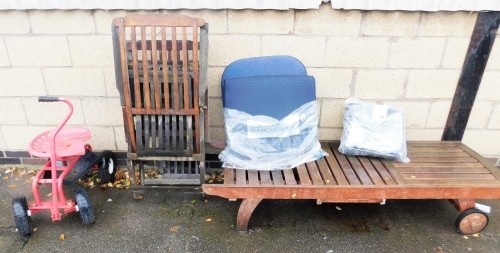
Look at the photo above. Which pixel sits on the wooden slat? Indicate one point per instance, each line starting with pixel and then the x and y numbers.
pixel 153 132
pixel 182 143
pixel 393 171
pixel 161 136
pixel 154 60
pixel 410 176
pixel 360 171
pixel 370 170
pixel 241 178
pixel 185 67
pixel 175 72
pixel 145 75
pixel 452 182
pixel 382 170
pixel 265 177
pixel 289 177
pixel 135 66
pixel 326 174
pixel 175 126
pixel 443 170
pixel 443 160
pixel 346 168
pixel 159 19
pixel 314 173
pixel 168 131
pixel 277 177
pixel 189 134
pixel 433 143
pixel 438 165
pixel 138 129
pixel 253 177
pixel 334 166
pixel 147 134
pixel 166 92
pixel 303 175
pixel 445 149
pixel 437 155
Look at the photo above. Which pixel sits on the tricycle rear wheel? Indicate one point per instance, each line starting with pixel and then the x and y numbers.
pixel 107 167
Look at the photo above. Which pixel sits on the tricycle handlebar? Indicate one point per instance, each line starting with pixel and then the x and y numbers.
pixel 48 99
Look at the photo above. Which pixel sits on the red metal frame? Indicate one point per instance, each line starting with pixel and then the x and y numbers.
pixel 71 156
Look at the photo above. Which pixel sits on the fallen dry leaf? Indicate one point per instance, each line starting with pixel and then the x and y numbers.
pixel 6 177
pixel 62 237
pixel 208 219
pixel 12 185
pixel 174 229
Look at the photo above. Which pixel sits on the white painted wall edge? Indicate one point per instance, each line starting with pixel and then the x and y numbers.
pixel 418 5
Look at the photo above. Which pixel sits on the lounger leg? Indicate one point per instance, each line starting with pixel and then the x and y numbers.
pixel 245 212
pixel 463 204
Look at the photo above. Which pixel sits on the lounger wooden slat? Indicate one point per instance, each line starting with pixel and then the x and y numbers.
pixel 326 173
pixel 360 171
pixel 303 175
pixel 277 177
pixel 346 168
pixel 265 178
pixel 370 170
pixel 447 170
pixel 289 177
pixel 253 177
pixel 314 173
pixel 382 170
pixel 333 165
pixel 471 176
pixel 229 176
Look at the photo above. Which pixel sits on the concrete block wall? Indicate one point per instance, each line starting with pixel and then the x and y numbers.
pixel 411 60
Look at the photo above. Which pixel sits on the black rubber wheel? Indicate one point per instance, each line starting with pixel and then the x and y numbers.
pixel 21 217
pixel 84 207
pixel 107 167
pixel 471 221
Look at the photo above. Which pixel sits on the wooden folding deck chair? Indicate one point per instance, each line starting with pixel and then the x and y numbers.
pixel 438 170
pixel 161 65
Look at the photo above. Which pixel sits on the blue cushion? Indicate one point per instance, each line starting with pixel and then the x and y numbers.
pixel 274 96
pixel 263 66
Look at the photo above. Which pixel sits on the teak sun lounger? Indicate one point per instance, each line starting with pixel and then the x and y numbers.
pixel 438 170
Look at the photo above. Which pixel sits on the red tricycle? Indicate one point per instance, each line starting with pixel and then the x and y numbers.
pixel 70 158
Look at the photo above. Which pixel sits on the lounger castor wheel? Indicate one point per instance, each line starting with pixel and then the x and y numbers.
pixel 471 221
pixel 107 167
pixel 84 207
pixel 21 217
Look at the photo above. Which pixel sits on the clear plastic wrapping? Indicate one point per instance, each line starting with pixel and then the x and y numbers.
pixel 265 143
pixel 373 130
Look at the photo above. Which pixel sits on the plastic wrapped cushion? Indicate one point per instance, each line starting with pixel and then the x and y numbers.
pixel 373 130
pixel 265 143
pixel 269 100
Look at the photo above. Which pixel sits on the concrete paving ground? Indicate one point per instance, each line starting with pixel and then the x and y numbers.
pixel 182 220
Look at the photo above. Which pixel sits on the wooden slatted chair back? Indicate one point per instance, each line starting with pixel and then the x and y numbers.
pixel 159 65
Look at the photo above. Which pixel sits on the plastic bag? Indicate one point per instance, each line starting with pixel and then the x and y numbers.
pixel 265 143
pixel 373 130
